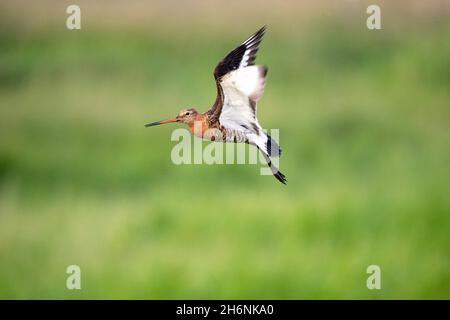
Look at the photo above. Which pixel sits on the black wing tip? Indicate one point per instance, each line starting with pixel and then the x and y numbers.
pixel 262 29
pixel 233 60
pixel 255 39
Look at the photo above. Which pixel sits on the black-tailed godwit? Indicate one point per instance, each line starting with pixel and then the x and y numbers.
pixel 240 84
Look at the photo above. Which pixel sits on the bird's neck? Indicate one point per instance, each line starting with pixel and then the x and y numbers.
pixel 199 126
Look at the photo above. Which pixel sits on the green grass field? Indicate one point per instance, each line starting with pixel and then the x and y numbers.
pixel 364 126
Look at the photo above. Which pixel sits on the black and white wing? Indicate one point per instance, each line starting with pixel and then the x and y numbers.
pixel 240 84
pixel 238 80
pixel 244 55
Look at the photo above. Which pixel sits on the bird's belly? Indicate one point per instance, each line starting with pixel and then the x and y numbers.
pixel 225 135
pixel 219 134
pixel 213 134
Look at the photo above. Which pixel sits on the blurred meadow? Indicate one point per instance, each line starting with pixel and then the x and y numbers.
pixel 364 120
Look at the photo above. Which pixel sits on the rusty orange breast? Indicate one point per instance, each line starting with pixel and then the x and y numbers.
pixel 199 126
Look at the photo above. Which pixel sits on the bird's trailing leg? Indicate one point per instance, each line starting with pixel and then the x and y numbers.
pixel 276 173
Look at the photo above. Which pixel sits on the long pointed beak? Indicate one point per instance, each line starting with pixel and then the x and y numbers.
pixel 161 122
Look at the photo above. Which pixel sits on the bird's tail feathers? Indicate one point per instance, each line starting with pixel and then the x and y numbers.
pixel 272 147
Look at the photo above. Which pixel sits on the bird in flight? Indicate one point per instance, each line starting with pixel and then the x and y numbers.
pixel 232 118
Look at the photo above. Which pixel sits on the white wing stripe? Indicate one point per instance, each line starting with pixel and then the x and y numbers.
pixel 244 61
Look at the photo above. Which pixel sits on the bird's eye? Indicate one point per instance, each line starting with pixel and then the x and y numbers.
pixel 188 113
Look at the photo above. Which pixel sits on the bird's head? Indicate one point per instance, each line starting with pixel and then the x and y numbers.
pixel 187 116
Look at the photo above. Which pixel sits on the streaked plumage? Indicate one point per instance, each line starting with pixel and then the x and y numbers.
pixel 240 84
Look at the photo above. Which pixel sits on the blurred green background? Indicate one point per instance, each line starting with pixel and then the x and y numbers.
pixel 364 126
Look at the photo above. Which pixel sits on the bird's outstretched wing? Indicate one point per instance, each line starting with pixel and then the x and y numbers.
pixel 244 55
pixel 240 84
